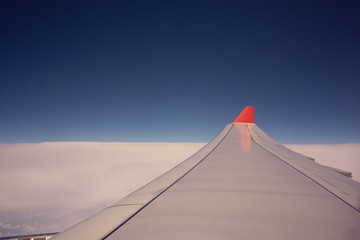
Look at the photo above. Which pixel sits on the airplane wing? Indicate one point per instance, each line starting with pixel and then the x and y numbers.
pixel 241 185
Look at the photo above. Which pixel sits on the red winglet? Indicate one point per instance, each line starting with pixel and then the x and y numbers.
pixel 246 116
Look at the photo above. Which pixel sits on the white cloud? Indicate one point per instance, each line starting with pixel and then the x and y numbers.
pixel 48 187
pixel 8 226
pixel 60 184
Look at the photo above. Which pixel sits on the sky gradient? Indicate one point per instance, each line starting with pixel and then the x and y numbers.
pixel 149 71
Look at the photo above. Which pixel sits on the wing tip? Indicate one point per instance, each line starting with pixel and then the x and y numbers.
pixel 246 116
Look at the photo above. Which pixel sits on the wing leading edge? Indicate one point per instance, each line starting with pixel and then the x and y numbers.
pixel 242 184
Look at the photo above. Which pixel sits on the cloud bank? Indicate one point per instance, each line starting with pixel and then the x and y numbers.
pixel 48 187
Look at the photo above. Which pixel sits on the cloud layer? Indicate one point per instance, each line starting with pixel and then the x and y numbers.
pixel 48 187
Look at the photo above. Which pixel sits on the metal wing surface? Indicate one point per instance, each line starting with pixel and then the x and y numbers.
pixel 241 185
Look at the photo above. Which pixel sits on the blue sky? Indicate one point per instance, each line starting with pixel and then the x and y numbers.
pixel 178 71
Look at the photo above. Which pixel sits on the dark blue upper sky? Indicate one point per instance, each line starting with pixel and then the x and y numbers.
pixel 178 71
